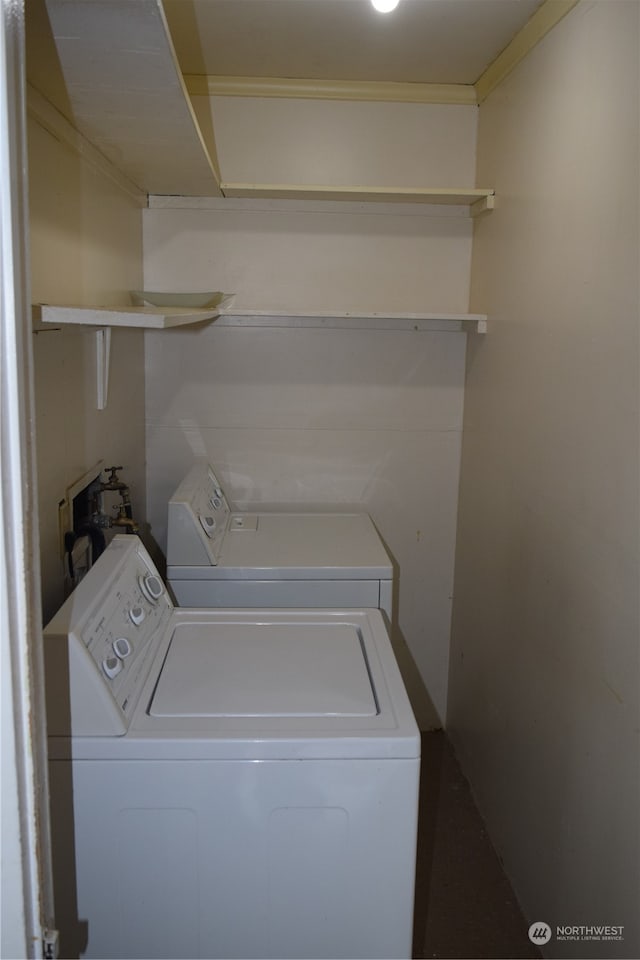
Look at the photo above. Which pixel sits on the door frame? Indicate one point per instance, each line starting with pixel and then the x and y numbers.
pixel 26 885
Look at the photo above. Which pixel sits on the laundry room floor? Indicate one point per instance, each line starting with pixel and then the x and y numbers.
pixel 465 906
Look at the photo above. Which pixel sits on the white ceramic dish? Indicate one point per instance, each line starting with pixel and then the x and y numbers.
pixel 150 298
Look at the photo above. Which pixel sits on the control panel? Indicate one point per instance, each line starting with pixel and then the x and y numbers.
pixel 120 636
pixel 197 519
pixel 100 645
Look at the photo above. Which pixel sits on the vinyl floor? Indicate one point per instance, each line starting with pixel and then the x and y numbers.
pixel 465 906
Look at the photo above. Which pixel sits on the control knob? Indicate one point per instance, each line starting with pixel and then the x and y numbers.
pixel 112 666
pixel 151 586
pixel 208 524
pixel 122 647
pixel 136 615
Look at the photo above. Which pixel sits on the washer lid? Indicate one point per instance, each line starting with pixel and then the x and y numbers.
pixel 301 546
pixel 265 669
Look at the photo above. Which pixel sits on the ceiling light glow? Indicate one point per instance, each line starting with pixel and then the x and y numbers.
pixel 385 6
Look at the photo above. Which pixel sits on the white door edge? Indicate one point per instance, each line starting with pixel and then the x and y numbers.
pixel 26 888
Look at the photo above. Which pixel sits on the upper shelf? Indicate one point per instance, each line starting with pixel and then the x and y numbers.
pixel 123 92
pixel 478 200
pixel 148 318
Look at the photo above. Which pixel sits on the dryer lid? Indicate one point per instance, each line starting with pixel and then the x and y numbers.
pixel 265 669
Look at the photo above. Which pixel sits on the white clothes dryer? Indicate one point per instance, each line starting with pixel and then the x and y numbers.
pixel 226 783
pixel 217 558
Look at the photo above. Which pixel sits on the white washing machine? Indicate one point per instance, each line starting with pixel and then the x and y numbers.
pixel 226 783
pixel 216 558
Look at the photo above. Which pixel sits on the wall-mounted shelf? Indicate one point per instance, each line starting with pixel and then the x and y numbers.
pixel 124 92
pixel 148 318
pixel 163 318
pixel 478 200
pixel 366 321
pixel 104 319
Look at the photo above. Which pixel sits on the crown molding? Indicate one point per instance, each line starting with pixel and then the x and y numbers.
pixel 543 20
pixel 275 87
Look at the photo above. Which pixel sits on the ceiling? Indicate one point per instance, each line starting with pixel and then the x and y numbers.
pixel 422 41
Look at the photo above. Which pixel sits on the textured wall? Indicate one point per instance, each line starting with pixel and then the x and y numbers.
pixel 543 697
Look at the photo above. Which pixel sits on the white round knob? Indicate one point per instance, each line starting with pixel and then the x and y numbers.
pixel 112 666
pixel 122 647
pixel 208 525
pixel 136 615
pixel 152 587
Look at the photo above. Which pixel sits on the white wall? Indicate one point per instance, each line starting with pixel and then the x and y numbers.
pixel 86 249
pixel 320 418
pixel 341 142
pixel 543 697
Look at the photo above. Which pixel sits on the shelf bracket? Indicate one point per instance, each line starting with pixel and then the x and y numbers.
pixel 483 205
pixel 103 356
